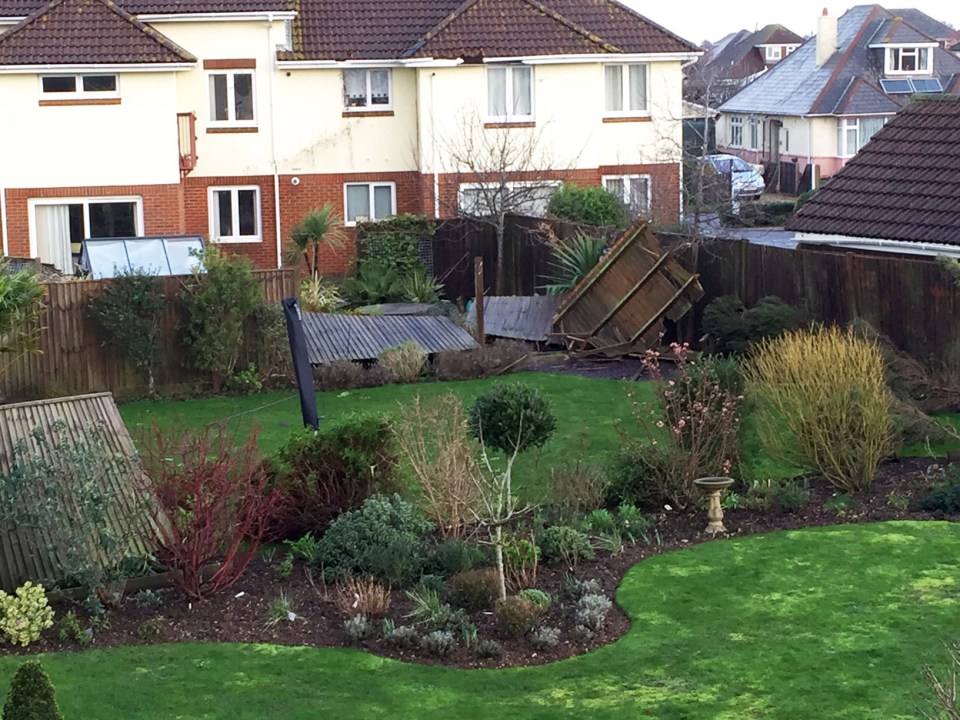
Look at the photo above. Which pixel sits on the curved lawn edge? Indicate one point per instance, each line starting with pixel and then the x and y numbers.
pixel 838 618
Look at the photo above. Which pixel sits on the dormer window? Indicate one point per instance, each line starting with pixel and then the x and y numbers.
pixel 909 60
pixel 774 53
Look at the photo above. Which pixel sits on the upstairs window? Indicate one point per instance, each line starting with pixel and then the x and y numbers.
pixel 902 61
pixel 736 131
pixel 232 98
pixel 79 86
pixel 367 90
pixel 625 87
pixel 774 53
pixel 510 93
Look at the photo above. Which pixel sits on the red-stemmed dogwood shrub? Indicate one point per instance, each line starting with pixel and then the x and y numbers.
pixel 213 503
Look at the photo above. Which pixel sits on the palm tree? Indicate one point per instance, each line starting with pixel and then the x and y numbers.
pixel 320 227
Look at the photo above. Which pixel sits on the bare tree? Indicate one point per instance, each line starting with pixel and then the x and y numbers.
pixel 500 171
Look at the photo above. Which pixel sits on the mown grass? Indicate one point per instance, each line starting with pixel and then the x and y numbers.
pixel 588 412
pixel 822 623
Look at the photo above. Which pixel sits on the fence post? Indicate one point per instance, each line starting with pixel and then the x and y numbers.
pixel 478 297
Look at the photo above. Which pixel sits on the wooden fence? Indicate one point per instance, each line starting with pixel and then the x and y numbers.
pixel 74 358
pixel 528 258
pixel 912 300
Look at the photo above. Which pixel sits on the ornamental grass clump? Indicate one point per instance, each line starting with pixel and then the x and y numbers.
pixel 822 404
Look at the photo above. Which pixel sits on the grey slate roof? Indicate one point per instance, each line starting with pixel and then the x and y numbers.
pixel 797 86
pixel 924 23
pixel 903 185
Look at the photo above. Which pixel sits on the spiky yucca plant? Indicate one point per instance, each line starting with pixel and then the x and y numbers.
pixel 572 260
pixel 320 227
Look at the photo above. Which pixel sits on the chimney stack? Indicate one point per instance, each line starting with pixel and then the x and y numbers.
pixel 826 38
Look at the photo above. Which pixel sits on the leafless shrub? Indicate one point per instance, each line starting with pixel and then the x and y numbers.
pixel 578 488
pixel 406 361
pixel 436 442
pixel 947 701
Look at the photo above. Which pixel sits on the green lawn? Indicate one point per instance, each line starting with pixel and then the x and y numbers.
pixel 587 411
pixel 822 623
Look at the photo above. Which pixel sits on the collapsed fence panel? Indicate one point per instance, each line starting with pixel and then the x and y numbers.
pixel 521 318
pixel 620 306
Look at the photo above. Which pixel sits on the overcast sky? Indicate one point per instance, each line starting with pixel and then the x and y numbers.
pixel 699 20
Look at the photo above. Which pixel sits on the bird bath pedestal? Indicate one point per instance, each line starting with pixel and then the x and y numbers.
pixel 713 487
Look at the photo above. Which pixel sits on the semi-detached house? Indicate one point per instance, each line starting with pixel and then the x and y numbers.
pixel 232 119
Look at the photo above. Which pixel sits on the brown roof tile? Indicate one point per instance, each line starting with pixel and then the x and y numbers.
pixel 82 32
pixel 22 8
pixel 903 185
pixel 391 29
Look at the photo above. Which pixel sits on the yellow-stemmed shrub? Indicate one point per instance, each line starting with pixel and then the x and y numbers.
pixel 822 403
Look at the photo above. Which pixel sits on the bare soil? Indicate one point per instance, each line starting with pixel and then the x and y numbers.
pixel 240 614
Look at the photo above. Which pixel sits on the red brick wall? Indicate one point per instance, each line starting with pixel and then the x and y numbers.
pixel 183 208
pixel 161 209
pixel 313 191
pixel 665 186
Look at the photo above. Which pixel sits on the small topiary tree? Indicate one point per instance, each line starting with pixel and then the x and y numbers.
pixel 591 205
pixel 128 310
pixel 512 417
pixel 31 695
pixel 218 299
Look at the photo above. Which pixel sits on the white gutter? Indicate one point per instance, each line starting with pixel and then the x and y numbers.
pixel 216 17
pixel 273 141
pixel 596 57
pixel 327 64
pixel 131 67
pixel 879 244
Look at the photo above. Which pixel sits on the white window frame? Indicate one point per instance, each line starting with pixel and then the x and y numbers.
pixel 231 120
pixel 235 211
pixel 79 93
pixel 369 107
pixel 370 197
pixel 508 90
pixel 625 91
pixel 626 187
pixel 555 184
pixel 891 52
pixel 32 204
pixel 755 131
pixel 736 129
pixel 773 53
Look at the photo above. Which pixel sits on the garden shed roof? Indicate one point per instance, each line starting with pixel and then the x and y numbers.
pixel 332 337
pixel 25 554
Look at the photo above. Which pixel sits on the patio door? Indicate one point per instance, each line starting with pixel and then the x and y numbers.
pixel 60 226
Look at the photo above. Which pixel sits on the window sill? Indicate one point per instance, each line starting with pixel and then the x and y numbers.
pixel 79 101
pixel 231 130
pixel 509 124
pixel 367 113
pixel 238 241
pixel 627 119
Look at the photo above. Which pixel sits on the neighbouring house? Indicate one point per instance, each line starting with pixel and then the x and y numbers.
pixel 735 61
pixel 900 194
pixel 231 119
pixel 819 106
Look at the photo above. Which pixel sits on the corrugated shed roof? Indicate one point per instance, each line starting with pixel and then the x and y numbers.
pixel 391 29
pixel 26 554
pixel 333 337
pixel 70 32
pixel 798 86
pixel 903 185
